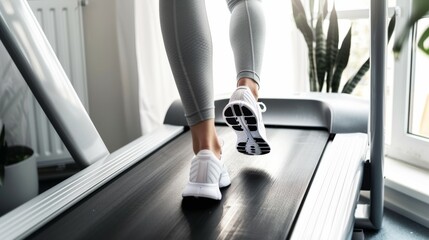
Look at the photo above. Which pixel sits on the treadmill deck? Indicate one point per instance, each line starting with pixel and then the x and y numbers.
pixel 145 201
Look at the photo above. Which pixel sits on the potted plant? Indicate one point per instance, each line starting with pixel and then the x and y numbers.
pixel 18 174
pixel 326 61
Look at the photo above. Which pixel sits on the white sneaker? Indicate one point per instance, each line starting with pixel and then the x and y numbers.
pixel 207 175
pixel 244 114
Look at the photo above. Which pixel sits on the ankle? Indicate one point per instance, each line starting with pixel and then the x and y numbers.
pixel 204 137
pixel 212 146
pixel 253 86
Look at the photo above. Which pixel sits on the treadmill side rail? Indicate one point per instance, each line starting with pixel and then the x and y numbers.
pixel 30 216
pixel 328 210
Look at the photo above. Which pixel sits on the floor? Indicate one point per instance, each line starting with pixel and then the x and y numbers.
pixel 397 227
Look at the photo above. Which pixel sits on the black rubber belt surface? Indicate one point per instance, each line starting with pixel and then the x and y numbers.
pixel 145 202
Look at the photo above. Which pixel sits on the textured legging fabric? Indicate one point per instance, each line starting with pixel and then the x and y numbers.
pixel 188 44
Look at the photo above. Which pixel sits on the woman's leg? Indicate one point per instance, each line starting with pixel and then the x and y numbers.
pixel 188 44
pixel 247 36
pixel 243 112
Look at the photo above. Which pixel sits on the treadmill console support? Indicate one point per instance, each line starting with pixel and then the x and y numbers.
pixel 337 113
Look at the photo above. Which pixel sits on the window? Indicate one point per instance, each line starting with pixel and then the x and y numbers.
pixel 409 136
pixel 418 123
pixel 356 14
pixel 407 94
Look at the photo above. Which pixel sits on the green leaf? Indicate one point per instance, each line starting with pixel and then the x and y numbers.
pixel 312 72
pixel 324 11
pixel 402 37
pixel 391 27
pixel 331 46
pixel 421 43
pixel 301 21
pixel 342 60
pixel 353 82
pixel 418 10
pixel 320 52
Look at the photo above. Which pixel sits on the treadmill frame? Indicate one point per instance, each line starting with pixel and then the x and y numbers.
pixel 32 53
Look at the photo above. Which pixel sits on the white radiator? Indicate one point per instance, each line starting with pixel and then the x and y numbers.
pixel 61 21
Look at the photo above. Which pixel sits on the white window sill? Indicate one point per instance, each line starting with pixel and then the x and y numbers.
pixel 407 190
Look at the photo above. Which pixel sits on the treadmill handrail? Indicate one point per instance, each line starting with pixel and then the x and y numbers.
pixel 378 16
pixel 32 53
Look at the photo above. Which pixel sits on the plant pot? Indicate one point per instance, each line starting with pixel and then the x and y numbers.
pixel 20 184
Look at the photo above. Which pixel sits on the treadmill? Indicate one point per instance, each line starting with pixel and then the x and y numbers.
pixel 308 187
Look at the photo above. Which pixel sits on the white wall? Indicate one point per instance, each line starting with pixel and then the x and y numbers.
pixel 106 104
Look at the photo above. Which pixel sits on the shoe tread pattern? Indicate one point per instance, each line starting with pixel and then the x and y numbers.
pixel 244 122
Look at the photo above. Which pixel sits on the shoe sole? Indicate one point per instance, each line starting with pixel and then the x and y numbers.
pixel 241 118
pixel 206 190
pixel 202 190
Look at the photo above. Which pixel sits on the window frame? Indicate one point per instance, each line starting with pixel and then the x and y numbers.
pixel 405 146
pixel 400 145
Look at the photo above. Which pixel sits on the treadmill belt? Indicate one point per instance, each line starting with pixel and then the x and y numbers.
pixel 145 201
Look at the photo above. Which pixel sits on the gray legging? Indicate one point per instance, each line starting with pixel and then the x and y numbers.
pixel 188 43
